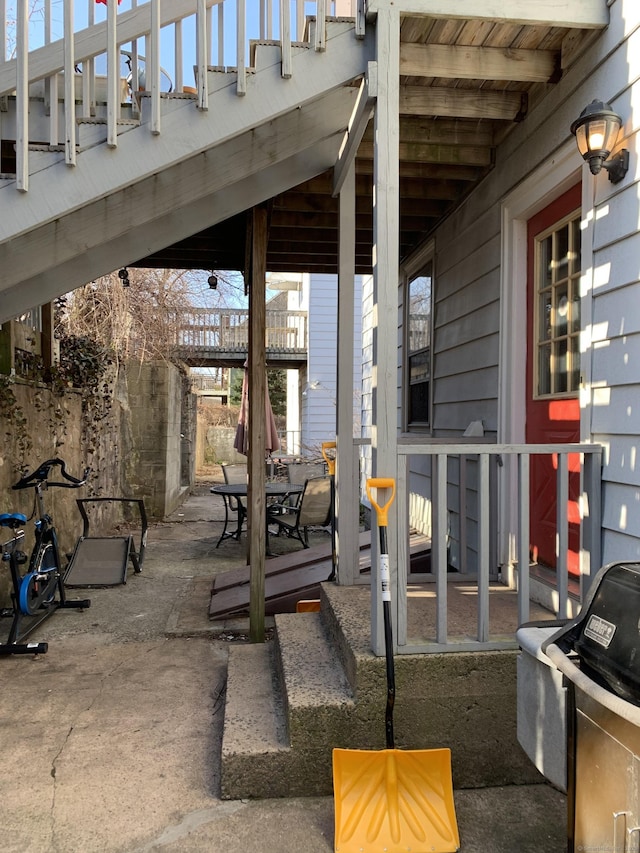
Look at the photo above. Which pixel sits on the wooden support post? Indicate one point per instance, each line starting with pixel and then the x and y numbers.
pixel 257 436
pixel 47 334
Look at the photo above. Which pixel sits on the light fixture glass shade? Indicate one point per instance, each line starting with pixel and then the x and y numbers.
pixel 596 131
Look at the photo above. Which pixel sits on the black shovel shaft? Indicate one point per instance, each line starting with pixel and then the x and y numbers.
pixel 388 648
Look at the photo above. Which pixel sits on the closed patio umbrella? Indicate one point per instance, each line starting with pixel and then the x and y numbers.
pixel 241 442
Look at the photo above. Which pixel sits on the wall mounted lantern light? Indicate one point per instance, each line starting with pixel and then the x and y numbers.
pixel 596 130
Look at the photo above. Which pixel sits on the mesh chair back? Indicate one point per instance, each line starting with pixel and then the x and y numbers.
pixel 315 503
pixel 235 473
pixel 300 472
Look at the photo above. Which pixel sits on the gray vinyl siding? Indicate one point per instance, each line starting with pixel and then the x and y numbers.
pixel 614 412
pixel 466 336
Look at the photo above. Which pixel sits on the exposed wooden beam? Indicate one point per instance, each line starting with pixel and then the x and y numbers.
pixel 450 131
pixel 579 14
pixel 358 122
pixel 426 171
pixel 465 155
pixel 462 103
pixel 478 63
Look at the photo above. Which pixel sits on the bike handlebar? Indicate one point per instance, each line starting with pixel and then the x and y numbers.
pixel 41 475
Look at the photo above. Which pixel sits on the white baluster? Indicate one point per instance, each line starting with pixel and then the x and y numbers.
pixel 113 75
pixel 69 87
pixel 201 56
pixel 153 67
pixel 22 96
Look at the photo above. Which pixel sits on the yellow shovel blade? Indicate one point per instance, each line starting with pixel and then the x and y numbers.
pixel 394 800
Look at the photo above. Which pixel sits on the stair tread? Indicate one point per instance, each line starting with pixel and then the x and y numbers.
pixel 312 670
pixel 254 717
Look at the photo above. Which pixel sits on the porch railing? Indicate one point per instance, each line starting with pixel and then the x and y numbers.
pixel 502 516
pixel 226 330
pixel 75 57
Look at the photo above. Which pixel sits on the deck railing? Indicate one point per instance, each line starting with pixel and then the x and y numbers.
pixel 75 56
pixel 226 330
pixel 496 500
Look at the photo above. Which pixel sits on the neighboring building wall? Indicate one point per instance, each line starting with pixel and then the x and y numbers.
pixel 319 392
pixel 153 465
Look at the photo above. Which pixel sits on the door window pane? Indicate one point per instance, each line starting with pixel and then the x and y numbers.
pixel 557 336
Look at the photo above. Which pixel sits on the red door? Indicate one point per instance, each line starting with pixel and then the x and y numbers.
pixel 553 367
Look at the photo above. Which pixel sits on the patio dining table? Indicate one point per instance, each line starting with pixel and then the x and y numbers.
pixel 273 489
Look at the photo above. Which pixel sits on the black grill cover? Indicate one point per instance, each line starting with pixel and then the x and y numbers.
pixel 606 634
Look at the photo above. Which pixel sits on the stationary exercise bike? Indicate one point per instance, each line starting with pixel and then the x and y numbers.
pixel 39 592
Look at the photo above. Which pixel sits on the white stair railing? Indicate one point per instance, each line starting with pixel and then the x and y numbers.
pixel 114 32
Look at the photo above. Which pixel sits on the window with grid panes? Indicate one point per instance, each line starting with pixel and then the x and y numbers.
pixel 557 276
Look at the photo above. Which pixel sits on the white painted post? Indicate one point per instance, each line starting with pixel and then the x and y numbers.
pixel 386 251
pixel 22 96
pixel 177 38
pixel 285 38
pixel 69 88
pixel 562 535
pixel 321 25
pixel 439 528
pixel 241 85
pixel 51 84
pixel 347 490
pixel 153 67
pixel 89 71
pixel 484 507
pixel 523 538
pixel 300 20
pixel 113 75
pixel 201 56
pixel 135 85
pixel 404 552
pixel 220 58
pixel 591 518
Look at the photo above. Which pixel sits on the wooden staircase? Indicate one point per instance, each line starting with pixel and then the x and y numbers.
pixel 118 204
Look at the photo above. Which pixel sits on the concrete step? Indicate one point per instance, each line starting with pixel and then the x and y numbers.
pixel 288 705
pixel 319 704
pixel 319 686
pixel 256 756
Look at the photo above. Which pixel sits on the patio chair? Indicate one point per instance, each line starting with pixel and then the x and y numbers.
pixel 234 510
pixel 298 473
pixel 313 510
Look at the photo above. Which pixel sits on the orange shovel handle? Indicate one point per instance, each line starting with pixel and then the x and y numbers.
pixel 330 460
pixel 382 512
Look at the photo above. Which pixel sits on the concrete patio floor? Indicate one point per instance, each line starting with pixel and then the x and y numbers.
pixel 111 741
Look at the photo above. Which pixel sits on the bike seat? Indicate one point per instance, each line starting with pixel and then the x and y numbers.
pixel 12 520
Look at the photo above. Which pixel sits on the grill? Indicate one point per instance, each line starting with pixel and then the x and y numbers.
pixel 598 654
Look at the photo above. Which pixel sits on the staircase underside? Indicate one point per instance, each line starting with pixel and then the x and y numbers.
pixel 204 169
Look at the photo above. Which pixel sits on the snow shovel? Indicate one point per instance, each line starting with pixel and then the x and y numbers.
pixel 392 800
pixel 331 467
